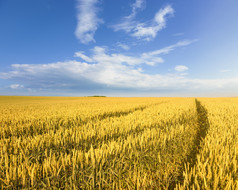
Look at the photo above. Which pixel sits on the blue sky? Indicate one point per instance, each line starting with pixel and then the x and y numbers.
pixel 119 48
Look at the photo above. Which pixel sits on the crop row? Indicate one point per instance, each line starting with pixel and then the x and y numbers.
pixel 216 165
pixel 142 149
pixel 118 143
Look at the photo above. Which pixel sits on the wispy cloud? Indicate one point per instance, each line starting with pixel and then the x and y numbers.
pixel 81 55
pixel 128 23
pixel 99 55
pixel 16 86
pixel 98 58
pixel 159 22
pixel 88 20
pixel 105 75
pixel 135 7
pixel 168 49
pixel 181 68
pixel 75 73
pixel 123 46
pixel 97 62
pixel 143 30
pixel 104 70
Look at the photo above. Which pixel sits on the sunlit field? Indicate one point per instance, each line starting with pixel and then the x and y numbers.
pixel 118 143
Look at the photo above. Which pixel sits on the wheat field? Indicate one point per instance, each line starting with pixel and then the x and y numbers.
pixel 118 143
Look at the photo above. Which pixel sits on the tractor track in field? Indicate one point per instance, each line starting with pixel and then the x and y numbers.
pixel 202 128
pixel 85 144
pixel 204 125
pixel 33 131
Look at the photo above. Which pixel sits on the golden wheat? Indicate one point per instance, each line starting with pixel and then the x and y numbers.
pixel 216 162
pixel 117 143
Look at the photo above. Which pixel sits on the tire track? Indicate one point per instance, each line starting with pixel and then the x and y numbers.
pixel 86 144
pixel 40 130
pixel 202 128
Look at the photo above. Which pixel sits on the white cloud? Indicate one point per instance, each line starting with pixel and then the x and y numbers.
pixel 160 17
pixel 106 70
pixel 137 5
pixel 128 22
pixel 82 56
pixel 16 86
pixel 168 49
pixel 123 46
pixel 152 58
pixel 101 63
pixel 101 56
pixel 101 73
pixel 88 20
pixel 159 22
pixel 181 68
pixel 143 30
pixel 74 74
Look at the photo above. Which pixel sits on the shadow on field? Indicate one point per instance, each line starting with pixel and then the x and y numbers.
pixel 202 128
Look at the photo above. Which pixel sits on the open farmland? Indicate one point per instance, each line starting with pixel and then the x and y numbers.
pixel 118 143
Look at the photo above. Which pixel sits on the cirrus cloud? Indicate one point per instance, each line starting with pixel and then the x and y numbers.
pixel 142 30
pixel 181 68
pixel 88 20
pixel 16 86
